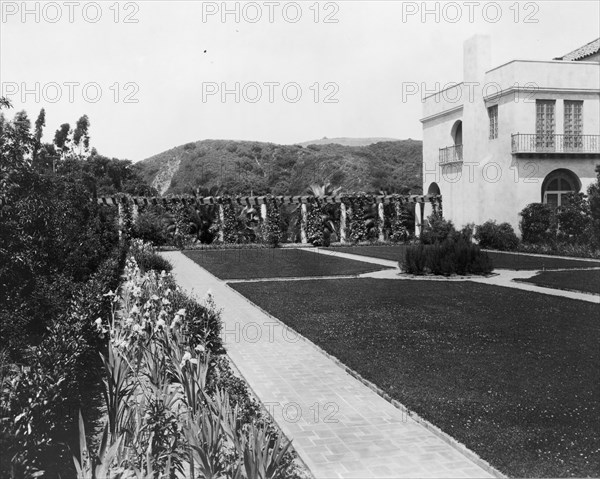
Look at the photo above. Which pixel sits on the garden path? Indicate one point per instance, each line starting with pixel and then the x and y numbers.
pixel 339 426
pixel 503 277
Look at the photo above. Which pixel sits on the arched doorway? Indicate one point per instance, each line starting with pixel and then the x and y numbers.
pixel 433 189
pixel 456 133
pixel 557 185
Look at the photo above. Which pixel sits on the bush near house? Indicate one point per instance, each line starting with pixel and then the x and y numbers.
pixel 571 229
pixel 538 223
pixel 452 256
pixel 496 236
pixel 436 229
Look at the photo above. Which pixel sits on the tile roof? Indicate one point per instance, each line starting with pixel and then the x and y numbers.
pixel 582 52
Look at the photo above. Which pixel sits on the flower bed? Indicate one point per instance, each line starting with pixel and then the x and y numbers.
pixel 174 406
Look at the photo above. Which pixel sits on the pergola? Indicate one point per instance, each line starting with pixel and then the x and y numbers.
pixel 423 205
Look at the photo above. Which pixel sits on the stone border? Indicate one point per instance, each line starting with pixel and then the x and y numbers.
pixel 461 448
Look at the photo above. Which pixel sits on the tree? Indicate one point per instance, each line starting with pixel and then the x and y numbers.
pixel 61 139
pixel 40 123
pixel 81 138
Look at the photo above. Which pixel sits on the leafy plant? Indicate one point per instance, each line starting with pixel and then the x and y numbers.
pixel 496 236
pixel 436 230
pixel 452 256
pixel 538 223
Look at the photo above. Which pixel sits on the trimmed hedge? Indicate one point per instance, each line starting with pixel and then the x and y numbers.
pixel 452 256
pixel 496 236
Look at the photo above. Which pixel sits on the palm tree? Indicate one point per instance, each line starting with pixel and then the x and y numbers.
pixel 322 218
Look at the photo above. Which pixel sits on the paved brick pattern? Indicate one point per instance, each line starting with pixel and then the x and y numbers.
pixel 339 426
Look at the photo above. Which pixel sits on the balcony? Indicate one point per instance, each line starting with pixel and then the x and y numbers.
pixel 553 145
pixel 451 154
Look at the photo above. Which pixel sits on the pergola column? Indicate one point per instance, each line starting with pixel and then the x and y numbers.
pixel 263 212
pixel 343 217
pixel 303 221
pixel 418 220
pixel 121 218
pixel 221 223
pixel 381 212
pixel 135 212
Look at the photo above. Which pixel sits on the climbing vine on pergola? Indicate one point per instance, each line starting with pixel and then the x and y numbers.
pixel 353 211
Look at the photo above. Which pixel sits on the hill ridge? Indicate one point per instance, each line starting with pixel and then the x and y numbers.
pixel 254 167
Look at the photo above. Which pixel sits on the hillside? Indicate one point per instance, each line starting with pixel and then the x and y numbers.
pixel 347 141
pixel 243 167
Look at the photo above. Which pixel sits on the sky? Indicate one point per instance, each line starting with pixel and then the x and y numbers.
pixel 152 75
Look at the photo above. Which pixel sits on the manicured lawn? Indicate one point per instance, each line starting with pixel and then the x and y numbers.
pixel 521 261
pixel 511 374
pixel 275 263
pixel 515 261
pixel 587 281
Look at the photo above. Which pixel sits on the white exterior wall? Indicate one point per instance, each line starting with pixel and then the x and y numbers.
pixel 492 183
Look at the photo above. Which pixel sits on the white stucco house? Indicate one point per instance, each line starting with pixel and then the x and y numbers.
pixel 523 132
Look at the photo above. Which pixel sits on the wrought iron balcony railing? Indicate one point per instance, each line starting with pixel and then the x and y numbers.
pixel 564 144
pixel 451 154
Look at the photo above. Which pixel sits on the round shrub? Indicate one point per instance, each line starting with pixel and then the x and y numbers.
pixel 573 217
pixel 496 236
pixel 538 223
pixel 455 255
pixel 436 230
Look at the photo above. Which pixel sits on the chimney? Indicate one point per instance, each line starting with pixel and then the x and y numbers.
pixel 477 58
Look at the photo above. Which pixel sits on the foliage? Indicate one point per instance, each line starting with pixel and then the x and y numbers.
pixel 148 227
pixel 436 230
pixel 573 217
pixel 362 218
pixel 272 226
pixel 320 217
pixel 451 256
pixel 593 231
pixel 496 236
pixel 229 223
pixel 40 406
pixel 399 220
pixel 147 258
pixel 538 223
pixel 170 359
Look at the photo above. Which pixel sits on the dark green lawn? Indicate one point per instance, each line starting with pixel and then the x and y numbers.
pixel 275 263
pixel 515 261
pixel 587 281
pixel 513 375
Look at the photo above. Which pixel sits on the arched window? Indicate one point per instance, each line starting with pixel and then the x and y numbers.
pixel 557 185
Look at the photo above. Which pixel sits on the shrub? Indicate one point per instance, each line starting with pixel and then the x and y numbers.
pixel 573 217
pixel 147 258
pixel 44 398
pixel 436 229
pixel 496 236
pixel 452 256
pixel 148 227
pixel 467 232
pixel 538 223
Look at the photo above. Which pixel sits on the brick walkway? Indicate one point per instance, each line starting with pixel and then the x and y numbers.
pixel 339 426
